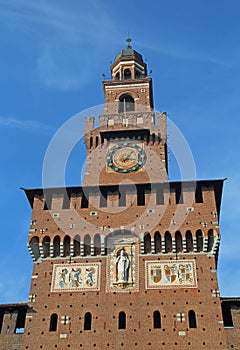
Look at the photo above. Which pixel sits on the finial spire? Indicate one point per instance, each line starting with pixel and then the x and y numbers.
pixel 129 40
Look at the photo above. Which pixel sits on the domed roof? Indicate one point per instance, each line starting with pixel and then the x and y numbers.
pixel 129 52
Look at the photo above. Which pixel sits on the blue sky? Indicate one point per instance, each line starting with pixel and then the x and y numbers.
pixel 53 54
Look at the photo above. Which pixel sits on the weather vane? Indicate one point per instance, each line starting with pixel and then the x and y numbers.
pixel 129 40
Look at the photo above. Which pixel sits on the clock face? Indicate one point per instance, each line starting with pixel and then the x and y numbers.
pixel 126 157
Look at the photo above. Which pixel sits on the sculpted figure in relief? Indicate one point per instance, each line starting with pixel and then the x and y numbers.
pixel 123 264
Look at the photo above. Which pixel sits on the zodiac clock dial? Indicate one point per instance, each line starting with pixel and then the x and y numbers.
pixel 126 157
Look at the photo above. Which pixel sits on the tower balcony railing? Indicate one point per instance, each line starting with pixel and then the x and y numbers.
pixel 126 119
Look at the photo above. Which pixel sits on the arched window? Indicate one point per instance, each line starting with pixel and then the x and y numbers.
pixel 87 247
pixel 97 140
pixel 126 103
pixel 117 76
pixel 97 245
pixel 192 319
pixel 178 241
pixel 87 321
pixel 147 243
pixel 91 142
pixel 127 74
pixel 189 241
pixel 34 244
pixel 66 246
pixel 53 323
pixel 122 320
pixel 46 246
pixel 210 240
pixel 199 238
pixel 156 319
pixel 168 242
pixel 56 246
pixel 76 245
pixel 157 242
pixel 137 74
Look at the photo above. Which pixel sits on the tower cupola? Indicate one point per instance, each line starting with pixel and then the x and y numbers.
pixel 128 64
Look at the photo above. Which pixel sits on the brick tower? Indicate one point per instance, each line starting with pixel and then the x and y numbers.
pixel 128 260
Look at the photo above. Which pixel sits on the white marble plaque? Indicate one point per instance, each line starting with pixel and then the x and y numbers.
pixel 169 274
pixel 76 277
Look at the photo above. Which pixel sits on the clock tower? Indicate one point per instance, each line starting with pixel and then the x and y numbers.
pixel 131 140
pixel 128 260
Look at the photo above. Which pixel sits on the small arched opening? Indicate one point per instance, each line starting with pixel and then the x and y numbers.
pixel 46 246
pixel 87 321
pixel 76 245
pixel 53 323
pixel 189 241
pixel 178 241
pixel 127 74
pixel 168 242
pixel 156 319
pixel 87 245
pixel 199 238
pixel 66 246
pixel 97 245
pixel 34 244
pixel 157 242
pixel 210 240
pixel 122 320
pixel 56 246
pixel 192 319
pixel 147 243
pixel 126 103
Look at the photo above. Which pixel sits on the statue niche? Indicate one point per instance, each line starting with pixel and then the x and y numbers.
pixel 122 267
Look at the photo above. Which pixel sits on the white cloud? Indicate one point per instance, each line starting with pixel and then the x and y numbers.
pixel 28 125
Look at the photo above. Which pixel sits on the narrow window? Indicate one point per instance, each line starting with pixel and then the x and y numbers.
pixel 159 195
pixel 147 243
pixel 189 241
pixel 199 240
pixel 34 244
pixel 198 194
pixel 46 246
pixel 97 140
pixel 168 242
pixel 53 323
pixel 117 76
pixel 84 202
pixel 156 319
pixel 66 246
pixel 91 142
pixel 56 246
pixel 103 197
pixel 137 74
pixel 66 201
pixel 127 74
pixel 210 240
pixel 87 247
pixel 122 320
pixel 227 315
pixel 192 319
pixel 48 201
pixel 122 197
pixel 97 245
pixel 76 245
pixel 88 321
pixel 157 242
pixel 140 195
pixel 179 194
pixel 178 240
